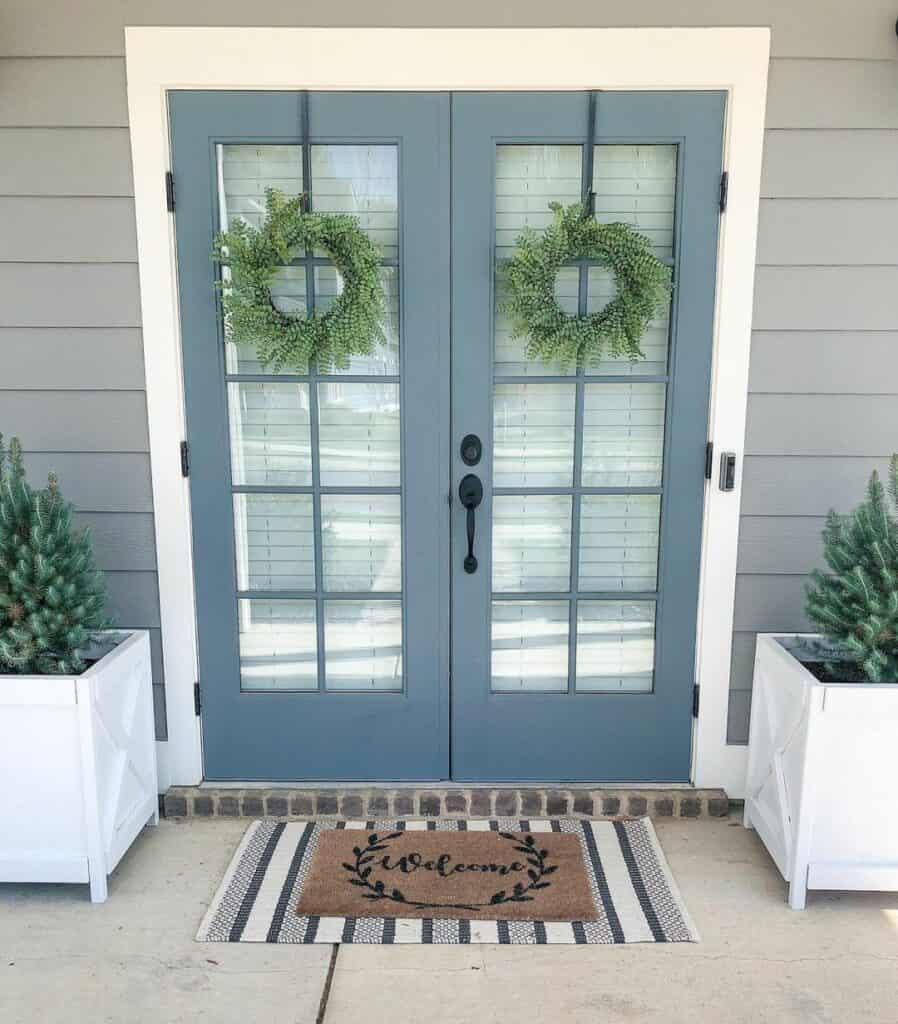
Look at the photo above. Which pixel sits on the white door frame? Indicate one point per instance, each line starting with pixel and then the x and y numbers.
pixel 730 59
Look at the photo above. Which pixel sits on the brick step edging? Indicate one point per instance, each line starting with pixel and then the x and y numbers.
pixel 527 802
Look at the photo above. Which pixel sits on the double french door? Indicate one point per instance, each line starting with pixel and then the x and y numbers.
pixel 341 635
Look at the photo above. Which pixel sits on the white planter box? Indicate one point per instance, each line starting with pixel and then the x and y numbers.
pixel 822 766
pixel 77 768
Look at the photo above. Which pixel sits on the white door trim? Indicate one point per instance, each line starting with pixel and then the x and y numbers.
pixel 732 59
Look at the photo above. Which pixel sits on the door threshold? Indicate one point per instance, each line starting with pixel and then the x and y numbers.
pixel 376 801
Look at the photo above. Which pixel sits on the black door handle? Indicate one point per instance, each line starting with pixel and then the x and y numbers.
pixel 470 493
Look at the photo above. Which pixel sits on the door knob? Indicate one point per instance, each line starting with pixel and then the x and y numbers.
pixel 470 493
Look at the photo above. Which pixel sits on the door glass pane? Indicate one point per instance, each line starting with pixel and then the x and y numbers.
pixel 278 645
pixel 531 542
pixel 636 184
pixel 529 646
pixel 244 172
pixel 619 541
pixel 358 434
pixel 362 181
pixel 511 351
pixel 362 542
pixel 288 294
pixel 533 435
pixel 528 178
pixel 270 437
pixel 275 543
pixel 384 360
pixel 615 646
pixel 363 645
pixel 623 435
pixel 654 343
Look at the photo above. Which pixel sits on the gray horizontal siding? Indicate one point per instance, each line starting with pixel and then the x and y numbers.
pixel 743 656
pixel 774 485
pixel 82 294
pixel 71 358
pixel 741 669
pixel 96 482
pixel 133 599
pixel 830 165
pixel 133 603
pixel 120 540
pixel 822 425
pixel 65 162
pixel 158 684
pixel 739 707
pixel 780 544
pixel 768 602
pixel 77 421
pixel 823 362
pixel 856 94
pixel 839 232
pixel 67 229
pixel 826 298
pixel 81 92
pixel 800 29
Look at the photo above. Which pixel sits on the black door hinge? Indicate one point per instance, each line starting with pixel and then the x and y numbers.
pixel 169 191
pixel 695 699
pixel 709 460
pixel 197 703
pixel 724 190
pixel 185 459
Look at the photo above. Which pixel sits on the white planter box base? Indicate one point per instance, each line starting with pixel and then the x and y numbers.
pixel 78 764
pixel 822 763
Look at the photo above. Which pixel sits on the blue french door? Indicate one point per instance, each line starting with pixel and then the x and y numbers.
pixel 320 521
pixel 574 640
pixel 340 635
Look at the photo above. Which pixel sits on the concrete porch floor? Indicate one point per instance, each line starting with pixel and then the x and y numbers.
pixel 133 959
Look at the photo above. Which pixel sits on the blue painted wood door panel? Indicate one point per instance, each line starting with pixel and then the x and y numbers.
pixel 574 642
pixel 323 650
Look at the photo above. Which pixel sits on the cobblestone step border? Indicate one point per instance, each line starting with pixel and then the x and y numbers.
pixel 525 802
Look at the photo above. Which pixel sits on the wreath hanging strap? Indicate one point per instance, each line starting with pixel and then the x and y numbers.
pixel 553 336
pixel 354 323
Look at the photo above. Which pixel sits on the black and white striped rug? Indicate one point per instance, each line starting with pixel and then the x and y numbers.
pixel 636 897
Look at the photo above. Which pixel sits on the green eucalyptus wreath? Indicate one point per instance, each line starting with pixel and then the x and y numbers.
pixel 643 289
pixel 354 323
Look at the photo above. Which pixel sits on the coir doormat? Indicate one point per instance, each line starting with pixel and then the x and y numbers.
pixel 459 874
pixel 503 881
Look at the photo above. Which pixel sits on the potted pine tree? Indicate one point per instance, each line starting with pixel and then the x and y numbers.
pixel 823 744
pixel 77 745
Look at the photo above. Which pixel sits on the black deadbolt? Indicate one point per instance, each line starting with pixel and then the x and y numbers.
pixel 471 449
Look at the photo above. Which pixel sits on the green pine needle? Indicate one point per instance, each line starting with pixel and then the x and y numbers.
pixel 855 605
pixel 48 579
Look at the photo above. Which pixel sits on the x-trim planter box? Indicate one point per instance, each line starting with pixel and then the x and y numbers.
pixel 822 763
pixel 78 763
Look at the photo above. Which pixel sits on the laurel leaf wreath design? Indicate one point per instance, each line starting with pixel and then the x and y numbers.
pixel 537 872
